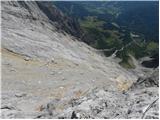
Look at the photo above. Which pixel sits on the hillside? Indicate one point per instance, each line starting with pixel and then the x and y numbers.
pixel 113 25
pixel 49 73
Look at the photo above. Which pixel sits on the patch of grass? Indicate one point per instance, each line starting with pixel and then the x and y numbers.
pixel 152 48
pixel 127 64
pixel 91 22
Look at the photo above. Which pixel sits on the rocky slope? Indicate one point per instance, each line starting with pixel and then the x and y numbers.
pixel 64 23
pixel 47 73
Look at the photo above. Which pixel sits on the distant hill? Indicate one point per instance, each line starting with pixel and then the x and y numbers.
pixel 141 16
pixel 110 25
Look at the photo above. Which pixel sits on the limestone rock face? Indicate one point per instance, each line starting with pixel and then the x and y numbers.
pixel 149 80
pixel 48 73
pixel 100 103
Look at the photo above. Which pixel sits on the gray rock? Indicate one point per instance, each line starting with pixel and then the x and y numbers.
pixel 27 31
pixel 20 95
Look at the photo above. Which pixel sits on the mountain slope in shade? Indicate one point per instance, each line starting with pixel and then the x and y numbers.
pixel 114 24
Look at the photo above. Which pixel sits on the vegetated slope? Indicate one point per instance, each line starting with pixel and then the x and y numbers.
pixel 140 17
pixel 109 25
pixel 44 69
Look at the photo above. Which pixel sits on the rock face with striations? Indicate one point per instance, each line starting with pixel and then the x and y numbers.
pixel 63 22
pixel 48 73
